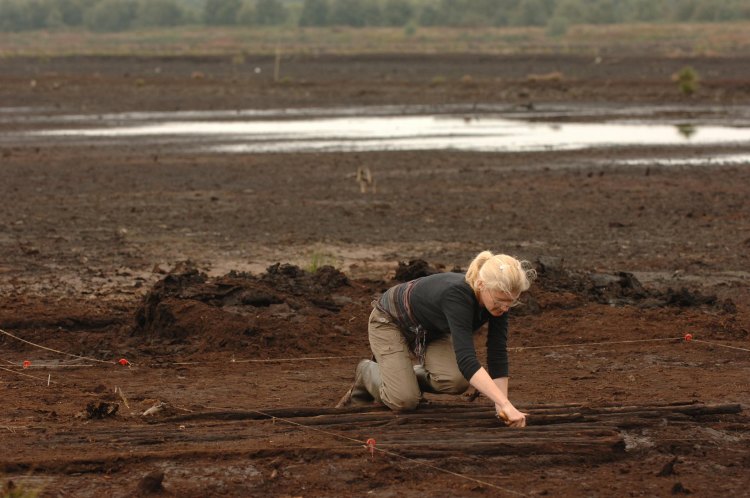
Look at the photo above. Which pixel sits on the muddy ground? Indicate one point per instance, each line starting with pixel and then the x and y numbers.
pixel 194 268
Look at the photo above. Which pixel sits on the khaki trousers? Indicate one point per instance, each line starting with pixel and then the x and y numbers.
pixel 400 389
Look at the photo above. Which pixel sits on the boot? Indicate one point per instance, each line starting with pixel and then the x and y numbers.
pixel 366 387
pixel 371 379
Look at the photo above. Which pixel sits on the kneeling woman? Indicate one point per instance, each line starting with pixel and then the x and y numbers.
pixel 434 318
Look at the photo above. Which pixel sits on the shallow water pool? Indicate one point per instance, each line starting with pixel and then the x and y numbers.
pixel 379 133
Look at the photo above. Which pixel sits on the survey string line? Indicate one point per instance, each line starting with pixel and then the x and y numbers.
pixel 23 374
pixel 270 360
pixel 55 350
pixel 686 338
pixel 721 345
pixel 310 358
pixel 570 345
pixel 44 364
pixel 518 348
pixel 110 362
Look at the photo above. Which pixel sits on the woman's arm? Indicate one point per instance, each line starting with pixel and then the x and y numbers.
pixel 497 350
pixel 502 384
pixel 497 391
pixel 458 308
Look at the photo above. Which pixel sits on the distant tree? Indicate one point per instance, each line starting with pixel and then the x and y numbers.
pixel 270 12
pixel 556 15
pixel 397 12
pixel 22 15
pixel 355 13
pixel 314 13
pixel 221 12
pixel 452 12
pixel 549 6
pixel 36 13
pixel 683 10
pixel 503 11
pixel 158 13
pixel 469 12
pixel 478 13
pixel 110 15
pixel 72 11
pixel 429 16
pixel 246 14
pixel 644 11
pixel 346 13
pixel 713 10
pixel 192 11
pixel 572 10
pixel 601 11
pixel 54 18
pixel 10 16
pixel 557 26
pixel 591 11
pixel 373 13
pixel 531 13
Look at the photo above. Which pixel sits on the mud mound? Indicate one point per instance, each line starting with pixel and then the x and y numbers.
pixel 619 288
pixel 685 298
pixel 415 268
pixel 294 280
pixel 287 310
pixel 284 310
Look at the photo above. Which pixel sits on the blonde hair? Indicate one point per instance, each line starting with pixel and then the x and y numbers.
pixel 500 272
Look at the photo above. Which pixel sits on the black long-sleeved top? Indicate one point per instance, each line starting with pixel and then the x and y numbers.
pixel 445 304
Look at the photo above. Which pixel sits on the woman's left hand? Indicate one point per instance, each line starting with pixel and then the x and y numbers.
pixel 511 416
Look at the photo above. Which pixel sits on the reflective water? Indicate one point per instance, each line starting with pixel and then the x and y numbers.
pixel 721 160
pixel 490 133
pixel 734 115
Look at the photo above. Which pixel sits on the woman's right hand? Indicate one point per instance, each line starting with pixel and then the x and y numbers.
pixel 511 416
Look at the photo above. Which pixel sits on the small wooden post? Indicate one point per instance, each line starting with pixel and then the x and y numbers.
pixel 277 65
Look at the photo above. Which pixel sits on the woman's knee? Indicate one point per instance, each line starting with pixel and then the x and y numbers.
pixel 402 404
pixel 452 384
pixel 403 397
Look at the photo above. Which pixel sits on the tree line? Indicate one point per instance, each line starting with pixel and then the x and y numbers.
pixel 119 15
